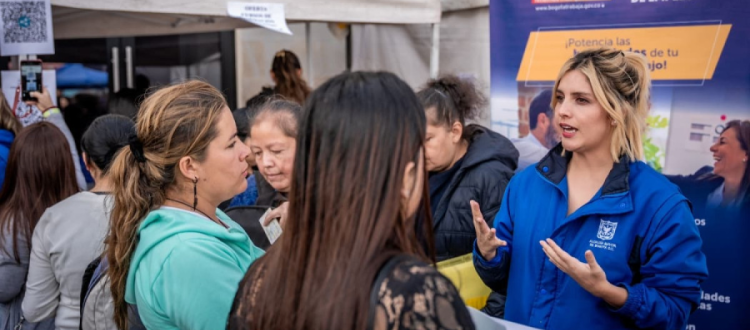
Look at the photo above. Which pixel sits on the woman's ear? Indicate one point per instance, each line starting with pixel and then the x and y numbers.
pixel 87 162
pixel 457 132
pixel 410 177
pixel 188 168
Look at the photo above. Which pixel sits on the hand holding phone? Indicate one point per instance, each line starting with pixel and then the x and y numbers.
pixel 31 79
pixel 41 100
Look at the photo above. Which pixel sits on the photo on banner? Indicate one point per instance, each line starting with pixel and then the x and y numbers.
pixel 697 57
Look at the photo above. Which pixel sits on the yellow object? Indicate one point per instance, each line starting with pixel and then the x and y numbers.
pixel 673 52
pixel 461 272
pixel 51 112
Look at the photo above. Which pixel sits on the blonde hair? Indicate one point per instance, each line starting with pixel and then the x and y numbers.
pixel 172 123
pixel 8 120
pixel 621 82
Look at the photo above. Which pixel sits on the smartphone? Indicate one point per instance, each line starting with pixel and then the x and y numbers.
pixel 31 78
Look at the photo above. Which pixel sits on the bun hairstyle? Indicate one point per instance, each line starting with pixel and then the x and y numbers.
pixel 453 100
pixel 104 138
pixel 622 85
pixel 288 83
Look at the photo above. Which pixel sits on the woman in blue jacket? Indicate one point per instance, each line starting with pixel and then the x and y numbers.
pixel 606 235
pixel 9 128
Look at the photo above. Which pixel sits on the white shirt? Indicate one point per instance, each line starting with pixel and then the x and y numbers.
pixel 530 151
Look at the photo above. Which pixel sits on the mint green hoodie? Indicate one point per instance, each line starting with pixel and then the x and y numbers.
pixel 186 269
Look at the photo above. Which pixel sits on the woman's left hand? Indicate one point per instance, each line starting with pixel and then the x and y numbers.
pixel 589 276
pixel 279 213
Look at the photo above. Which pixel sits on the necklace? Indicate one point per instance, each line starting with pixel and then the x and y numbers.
pixel 199 211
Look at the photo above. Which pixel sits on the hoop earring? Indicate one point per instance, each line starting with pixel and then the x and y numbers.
pixel 195 193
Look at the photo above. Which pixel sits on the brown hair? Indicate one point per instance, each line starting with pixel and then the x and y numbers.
pixel 8 120
pixel 621 83
pixel 356 136
pixel 40 173
pixel 742 129
pixel 173 122
pixel 288 83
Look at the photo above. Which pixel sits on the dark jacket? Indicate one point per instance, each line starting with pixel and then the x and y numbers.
pixel 485 171
pixel 697 186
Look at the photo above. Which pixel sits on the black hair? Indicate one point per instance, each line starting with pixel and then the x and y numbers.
pixel 104 138
pixel 540 104
pixel 286 115
pixel 357 134
pixel 454 100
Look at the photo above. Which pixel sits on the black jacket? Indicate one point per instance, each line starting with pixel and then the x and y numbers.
pixel 485 171
pixel 697 186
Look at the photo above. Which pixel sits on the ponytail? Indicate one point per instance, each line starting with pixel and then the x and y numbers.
pixel 134 198
pixel 288 83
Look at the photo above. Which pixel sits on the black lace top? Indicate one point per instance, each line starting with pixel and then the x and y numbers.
pixel 416 296
pixel 412 296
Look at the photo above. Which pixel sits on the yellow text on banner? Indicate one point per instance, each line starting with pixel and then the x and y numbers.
pixel 673 53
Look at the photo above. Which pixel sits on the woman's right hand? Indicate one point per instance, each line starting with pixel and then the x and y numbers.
pixel 487 241
pixel 43 100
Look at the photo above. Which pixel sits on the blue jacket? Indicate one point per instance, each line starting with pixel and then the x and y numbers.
pixel 639 227
pixel 6 139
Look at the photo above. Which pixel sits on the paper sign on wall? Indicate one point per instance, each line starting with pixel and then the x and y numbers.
pixel 268 15
pixel 27 115
pixel 26 27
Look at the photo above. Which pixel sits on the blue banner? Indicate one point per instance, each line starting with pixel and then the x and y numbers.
pixel 699 56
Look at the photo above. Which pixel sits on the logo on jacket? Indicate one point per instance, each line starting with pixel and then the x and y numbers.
pixel 606 230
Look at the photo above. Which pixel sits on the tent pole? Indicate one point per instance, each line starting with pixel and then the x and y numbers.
pixel 308 44
pixel 435 51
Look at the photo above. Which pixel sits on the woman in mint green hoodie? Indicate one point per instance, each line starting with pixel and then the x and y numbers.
pixel 173 255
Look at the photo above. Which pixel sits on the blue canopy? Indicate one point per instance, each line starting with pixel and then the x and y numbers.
pixel 78 76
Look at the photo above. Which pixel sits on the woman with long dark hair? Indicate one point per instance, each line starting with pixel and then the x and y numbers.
pixel 40 173
pixel 349 258
pixel 286 72
pixel 71 233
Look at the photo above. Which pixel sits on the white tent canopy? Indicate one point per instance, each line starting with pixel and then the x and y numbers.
pixel 112 18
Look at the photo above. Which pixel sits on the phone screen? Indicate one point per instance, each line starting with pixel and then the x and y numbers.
pixel 31 78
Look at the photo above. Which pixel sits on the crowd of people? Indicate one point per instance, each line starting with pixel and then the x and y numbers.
pixel 371 184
